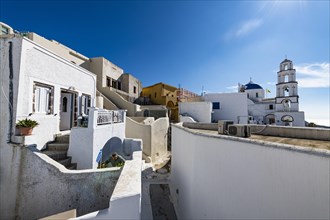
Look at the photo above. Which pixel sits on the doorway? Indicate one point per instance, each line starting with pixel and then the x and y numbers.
pixel 66 110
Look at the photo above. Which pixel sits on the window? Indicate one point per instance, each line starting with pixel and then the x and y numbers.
pixel 42 98
pixel 271 107
pixel 134 89
pixel 155 94
pixel 216 105
pixel 257 95
pixel 85 103
pixel 286 105
pixel 119 85
pixel 114 84
pixel 108 81
pixel 65 104
pixel 4 30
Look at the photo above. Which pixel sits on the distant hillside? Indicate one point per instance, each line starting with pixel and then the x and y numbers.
pixel 312 124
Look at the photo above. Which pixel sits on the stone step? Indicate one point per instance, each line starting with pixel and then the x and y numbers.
pixel 57 146
pixel 65 162
pixel 56 155
pixel 73 166
pixel 63 138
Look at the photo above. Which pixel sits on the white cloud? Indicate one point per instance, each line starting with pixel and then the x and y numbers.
pixel 243 29
pixel 232 88
pixel 248 26
pixel 315 75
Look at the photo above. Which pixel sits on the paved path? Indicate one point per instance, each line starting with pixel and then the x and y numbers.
pixel 156 201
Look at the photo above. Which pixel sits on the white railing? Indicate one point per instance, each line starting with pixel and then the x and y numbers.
pixel 99 117
pixel 110 117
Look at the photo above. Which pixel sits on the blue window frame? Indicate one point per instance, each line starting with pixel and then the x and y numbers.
pixel 216 105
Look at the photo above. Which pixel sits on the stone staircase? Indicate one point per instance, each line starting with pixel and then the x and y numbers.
pixel 58 151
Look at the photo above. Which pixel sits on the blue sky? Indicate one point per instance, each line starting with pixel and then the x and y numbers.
pixel 209 44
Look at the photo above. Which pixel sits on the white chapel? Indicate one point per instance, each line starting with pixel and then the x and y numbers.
pixel 281 110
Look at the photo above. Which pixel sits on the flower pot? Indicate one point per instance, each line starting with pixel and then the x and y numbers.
pixel 25 131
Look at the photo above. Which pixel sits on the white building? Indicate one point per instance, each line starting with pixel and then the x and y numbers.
pixel 49 88
pixel 249 105
pixel 281 110
pixel 40 85
pixel 228 106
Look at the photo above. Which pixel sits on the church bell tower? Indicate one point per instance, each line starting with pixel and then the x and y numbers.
pixel 287 98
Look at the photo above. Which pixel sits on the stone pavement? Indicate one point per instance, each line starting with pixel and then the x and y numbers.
pixel 156 201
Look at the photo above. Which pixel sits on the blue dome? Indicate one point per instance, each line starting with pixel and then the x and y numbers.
pixel 252 85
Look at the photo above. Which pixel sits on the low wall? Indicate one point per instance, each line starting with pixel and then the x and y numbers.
pixel 46 187
pixel 269 130
pixel 125 202
pixel 224 177
pixel 86 142
pixel 159 131
pixel 292 132
pixel 43 133
pixel 186 119
pixel 202 126
pixel 137 130
pixel 143 120
pixel 154 136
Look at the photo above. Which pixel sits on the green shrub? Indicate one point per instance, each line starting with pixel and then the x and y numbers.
pixel 26 123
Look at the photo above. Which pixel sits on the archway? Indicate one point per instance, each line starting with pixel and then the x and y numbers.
pixel 170 104
pixel 269 119
pixel 111 146
pixel 286 105
pixel 286 91
pixel 287 119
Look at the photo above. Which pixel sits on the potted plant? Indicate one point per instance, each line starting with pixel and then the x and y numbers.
pixel 26 126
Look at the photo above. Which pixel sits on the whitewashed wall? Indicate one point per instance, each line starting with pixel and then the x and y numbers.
pixel 135 129
pixel 221 177
pixel 86 143
pixel 186 119
pixel 232 105
pixel 200 111
pixel 119 101
pixel 153 134
pixel 298 118
pixel 36 64
pixel 252 94
pixel 30 62
pixel 125 202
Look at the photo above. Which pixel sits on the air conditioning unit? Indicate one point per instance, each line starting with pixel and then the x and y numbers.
pixel 223 126
pixel 239 130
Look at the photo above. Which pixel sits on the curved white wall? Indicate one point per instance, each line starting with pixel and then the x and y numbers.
pixel 221 177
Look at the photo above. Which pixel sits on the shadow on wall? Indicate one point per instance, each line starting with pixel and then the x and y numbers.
pixel 114 144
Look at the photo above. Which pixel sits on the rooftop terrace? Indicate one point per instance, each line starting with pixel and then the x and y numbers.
pixel 310 139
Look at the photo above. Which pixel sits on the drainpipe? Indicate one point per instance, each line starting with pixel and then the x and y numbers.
pixel 11 92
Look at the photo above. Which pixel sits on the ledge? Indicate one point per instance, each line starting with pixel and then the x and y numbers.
pixel 214 134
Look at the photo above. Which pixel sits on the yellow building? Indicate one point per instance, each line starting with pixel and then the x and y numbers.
pixel 163 94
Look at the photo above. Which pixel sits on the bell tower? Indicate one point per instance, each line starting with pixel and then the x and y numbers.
pixel 287 98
